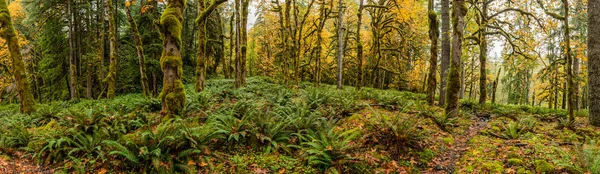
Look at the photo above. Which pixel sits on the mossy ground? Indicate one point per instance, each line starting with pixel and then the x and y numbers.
pixel 227 130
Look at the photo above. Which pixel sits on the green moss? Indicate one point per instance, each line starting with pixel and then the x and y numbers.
pixel 514 154
pixel 494 167
pixel 426 155
pixel 496 129
pixel 448 140
pixel 523 171
pixel 8 33
pixel 542 166
pixel 173 97
pixel 173 94
pixel 515 162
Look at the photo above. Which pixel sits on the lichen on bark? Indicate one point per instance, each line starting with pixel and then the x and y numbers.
pixel 459 11
pixel 173 92
pixel 8 33
pixel 112 67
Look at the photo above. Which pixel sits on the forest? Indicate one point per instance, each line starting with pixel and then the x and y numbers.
pixel 300 86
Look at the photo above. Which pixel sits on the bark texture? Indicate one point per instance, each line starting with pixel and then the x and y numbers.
pixel 173 93
pixel 340 53
pixel 359 46
pixel 8 33
pixel 483 54
pixel 433 36
pixel 445 49
pixel 459 10
pixel 112 67
pixel 594 61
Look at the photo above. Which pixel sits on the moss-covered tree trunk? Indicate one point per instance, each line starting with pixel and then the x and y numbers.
pixel 202 56
pixel 231 45
pixel 238 50
pixel 445 56
pixel 323 13
pixel 459 10
pixel 112 67
pixel 434 33
pixel 359 46
pixel 483 53
pixel 140 52
pixel 204 11
pixel 173 93
pixel 495 86
pixel 244 41
pixel 569 64
pixel 8 33
pixel 102 46
pixel 72 62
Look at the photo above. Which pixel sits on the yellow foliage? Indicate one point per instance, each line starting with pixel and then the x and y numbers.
pixel 17 12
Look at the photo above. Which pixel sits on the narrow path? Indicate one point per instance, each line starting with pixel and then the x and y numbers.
pixel 18 165
pixel 445 162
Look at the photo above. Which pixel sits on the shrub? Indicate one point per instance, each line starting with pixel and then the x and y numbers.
pixel 328 150
pixel 396 133
pixel 583 159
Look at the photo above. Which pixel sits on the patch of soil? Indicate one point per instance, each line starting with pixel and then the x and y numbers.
pixel 22 165
pixel 445 162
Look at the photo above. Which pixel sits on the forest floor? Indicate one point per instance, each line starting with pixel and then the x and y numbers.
pixel 268 128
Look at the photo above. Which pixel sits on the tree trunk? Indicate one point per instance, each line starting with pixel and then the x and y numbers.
pixel 102 46
pixel 318 49
pixel 244 41
pixel 495 87
pixel 204 11
pixel 459 10
pixel 140 53
pixel 173 93
pixel 202 55
pixel 340 54
pixel 569 63
pixel 576 101
pixel 433 36
pixel 231 45
pixel 359 46
pixel 483 55
pixel 238 50
pixel 463 85
pixel 472 78
pixel 112 68
pixel 72 62
pixel 26 103
pixel 445 49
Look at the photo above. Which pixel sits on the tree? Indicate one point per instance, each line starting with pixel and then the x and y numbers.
pixel 434 33
pixel 445 49
pixel 112 67
pixel 8 33
pixel 490 25
pixel 594 61
pixel 139 48
pixel 359 46
pixel 340 54
pixel 173 92
pixel 243 41
pixel 204 12
pixel 241 15
pixel 569 59
pixel 459 10
pixel 72 62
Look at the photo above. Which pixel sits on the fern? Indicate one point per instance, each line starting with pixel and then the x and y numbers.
pixel 327 149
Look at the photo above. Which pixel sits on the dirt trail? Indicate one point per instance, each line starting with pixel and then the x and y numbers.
pixel 445 162
pixel 21 166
